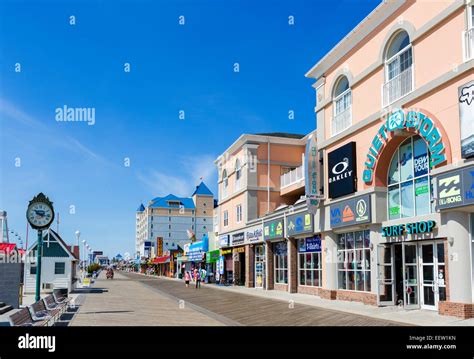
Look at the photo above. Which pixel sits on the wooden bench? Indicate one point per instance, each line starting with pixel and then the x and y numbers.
pixel 51 304
pixel 60 298
pixel 40 312
pixel 23 318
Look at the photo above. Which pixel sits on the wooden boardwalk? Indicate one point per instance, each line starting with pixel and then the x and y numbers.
pixel 243 309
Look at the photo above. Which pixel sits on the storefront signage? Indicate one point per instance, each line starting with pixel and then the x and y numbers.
pixel 273 229
pixel 220 265
pixel 311 244
pixel 455 188
pixel 238 238
pixel 466 116
pixel 160 246
pixel 254 234
pixel 197 250
pixel 238 250
pixel 311 175
pixel 342 171
pixel 281 248
pixel 224 240
pixel 212 257
pixel 300 223
pixel 351 212
pixel 408 228
pixel 413 121
pixel 226 251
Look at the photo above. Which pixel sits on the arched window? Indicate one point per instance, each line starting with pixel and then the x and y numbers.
pixel 238 174
pixel 398 68
pixel 409 180
pixel 342 104
pixel 225 183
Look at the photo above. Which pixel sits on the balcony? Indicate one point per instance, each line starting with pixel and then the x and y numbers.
pixel 469 44
pixel 292 182
pixel 341 121
pixel 397 87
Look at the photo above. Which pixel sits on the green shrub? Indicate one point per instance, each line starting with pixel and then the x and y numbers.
pixel 93 267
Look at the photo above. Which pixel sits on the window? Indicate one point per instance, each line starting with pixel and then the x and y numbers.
pixel 309 268
pixel 342 104
pixel 225 184
pixel 353 261
pixel 239 213
pixel 59 267
pixel 226 218
pixel 409 181
pixel 469 35
pixel 281 262
pixel 238 174
pixel 398 68
pixel 33 270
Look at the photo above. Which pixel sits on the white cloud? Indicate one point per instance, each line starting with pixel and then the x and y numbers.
pixel 193 168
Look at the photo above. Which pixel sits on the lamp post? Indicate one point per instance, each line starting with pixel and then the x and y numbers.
pixel 84 256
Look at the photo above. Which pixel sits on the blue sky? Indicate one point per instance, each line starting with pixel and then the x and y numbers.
pixel 173 68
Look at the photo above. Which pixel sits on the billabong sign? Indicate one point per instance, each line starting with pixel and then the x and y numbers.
pixel 412 120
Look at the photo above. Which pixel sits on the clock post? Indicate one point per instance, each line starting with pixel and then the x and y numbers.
pixel 40 215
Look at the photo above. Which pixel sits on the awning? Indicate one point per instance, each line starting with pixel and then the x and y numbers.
pixel 160 260
pixel 6 248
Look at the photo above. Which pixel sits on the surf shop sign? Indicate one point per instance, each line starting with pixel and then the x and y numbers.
pixel 400 120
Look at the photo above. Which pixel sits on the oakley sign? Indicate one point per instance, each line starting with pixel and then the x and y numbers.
pixel 414 121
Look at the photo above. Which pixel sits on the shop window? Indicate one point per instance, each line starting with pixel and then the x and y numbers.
pixel 342 105
pixel 281 262
pixel 309 269
pixel 409 181
pixel 353 250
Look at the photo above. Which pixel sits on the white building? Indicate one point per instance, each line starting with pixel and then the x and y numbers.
pixel 171 219
pixel 58 265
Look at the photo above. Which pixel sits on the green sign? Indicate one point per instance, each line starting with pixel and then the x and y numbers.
pixel 409 228
pixel 273 229
pixel 212 256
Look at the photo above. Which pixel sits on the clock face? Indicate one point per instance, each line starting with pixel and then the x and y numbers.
pixel 40 215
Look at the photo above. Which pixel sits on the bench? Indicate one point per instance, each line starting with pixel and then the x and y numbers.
pixel 23 318
pixel 40 312
pixel 60 298
pixel 51 304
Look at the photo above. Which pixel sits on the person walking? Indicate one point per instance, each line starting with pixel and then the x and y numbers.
pixel 198 279
pixel 187 278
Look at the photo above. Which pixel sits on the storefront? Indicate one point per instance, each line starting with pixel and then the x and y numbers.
pixel 256 270
pixel 238 258
pixel 276 254
pixel 212 258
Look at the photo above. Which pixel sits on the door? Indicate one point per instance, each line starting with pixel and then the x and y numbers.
pixel 432 266
pixel 385 275
pixel 259 266
pixel 410 276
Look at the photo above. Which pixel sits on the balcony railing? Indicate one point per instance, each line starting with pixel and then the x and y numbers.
pixel 341 121
pixel 398 87
pixel 292 177
pixel 469 44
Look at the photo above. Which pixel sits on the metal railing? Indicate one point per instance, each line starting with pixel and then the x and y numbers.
pixel 469 43
pixel 341 121
pixel 398 87
pixel 292 177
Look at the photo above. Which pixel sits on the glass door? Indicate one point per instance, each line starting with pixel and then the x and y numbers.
pixel 259 266
pixel 385 275
pixel 432 264
pixel 410 276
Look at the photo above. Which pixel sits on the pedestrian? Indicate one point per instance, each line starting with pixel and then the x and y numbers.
pixel 203 275
pixel 198 279
pixel 187 278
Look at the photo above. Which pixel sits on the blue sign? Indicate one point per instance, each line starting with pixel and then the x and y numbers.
pixel 351 212
pixel 224 240
pixel 198 250
pixel 300 223
pixel 310 244
pixel 220 265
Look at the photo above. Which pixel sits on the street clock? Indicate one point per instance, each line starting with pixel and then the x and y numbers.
pixel 40 212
